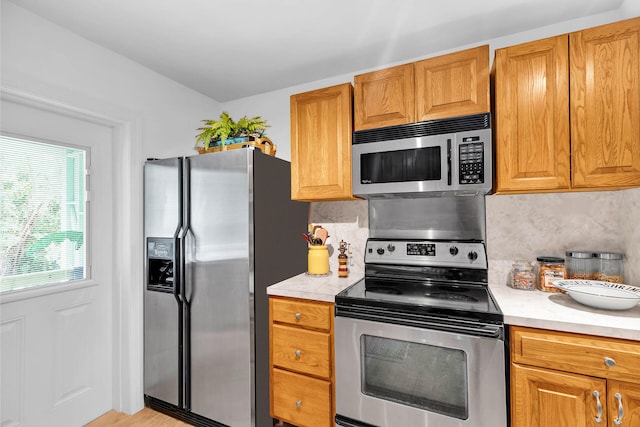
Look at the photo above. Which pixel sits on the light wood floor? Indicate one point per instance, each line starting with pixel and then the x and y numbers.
pixel 145 418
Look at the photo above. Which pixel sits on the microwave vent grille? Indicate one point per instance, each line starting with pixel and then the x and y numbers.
pixel 432 127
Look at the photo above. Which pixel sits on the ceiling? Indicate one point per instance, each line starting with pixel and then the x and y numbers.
pixel 238 48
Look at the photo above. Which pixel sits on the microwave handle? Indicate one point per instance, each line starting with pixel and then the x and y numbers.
pixel 449 161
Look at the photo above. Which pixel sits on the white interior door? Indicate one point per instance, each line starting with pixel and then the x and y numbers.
pixel 56 341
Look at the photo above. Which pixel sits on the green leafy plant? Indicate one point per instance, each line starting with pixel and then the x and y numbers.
pixel 226 128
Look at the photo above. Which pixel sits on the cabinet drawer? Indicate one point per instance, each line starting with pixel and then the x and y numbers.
pixel 302 350
pixel 301 400
pixel 584 354
pixel 302 313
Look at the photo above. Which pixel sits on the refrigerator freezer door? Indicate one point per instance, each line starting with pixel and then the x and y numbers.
pixel 218 278
pixel 162 212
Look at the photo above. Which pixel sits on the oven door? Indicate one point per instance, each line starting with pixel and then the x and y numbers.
pixel 398 375
pixel 409 165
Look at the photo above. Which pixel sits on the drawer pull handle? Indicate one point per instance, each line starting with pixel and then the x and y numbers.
pixel 618 421
pixel 598 405
pixel 299 403
pixel 298 353
pixel 298 316
pixel 609 362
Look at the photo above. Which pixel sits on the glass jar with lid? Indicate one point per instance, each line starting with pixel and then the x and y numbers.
pixel 580 265
pixel 609 267
pixel 550 268
pixel 522 276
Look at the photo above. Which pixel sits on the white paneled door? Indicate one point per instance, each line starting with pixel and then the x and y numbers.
pixel 56 340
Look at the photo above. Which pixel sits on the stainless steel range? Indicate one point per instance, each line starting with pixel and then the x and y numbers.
pixel 420 341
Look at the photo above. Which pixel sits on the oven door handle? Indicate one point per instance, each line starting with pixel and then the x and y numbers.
pixel 449 172
pixel 489 330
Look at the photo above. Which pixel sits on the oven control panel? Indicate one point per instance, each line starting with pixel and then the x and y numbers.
pixel 426 253
pixel 421 249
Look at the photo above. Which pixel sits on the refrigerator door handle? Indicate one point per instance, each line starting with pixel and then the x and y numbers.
pixel 179 242
pixel 177 267
pixel 189 247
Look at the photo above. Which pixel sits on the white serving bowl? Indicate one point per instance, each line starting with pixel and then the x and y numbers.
pixel 598 294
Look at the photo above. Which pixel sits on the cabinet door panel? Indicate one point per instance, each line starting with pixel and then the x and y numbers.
pixel 456 84
pixel 308 314
pixel 300 350
pixel 605 105
pixel 531 116
pixel 625 396
pixel 301 400
pixel 581 354
pixel 384 98
pixel 321 128
pixel 544 398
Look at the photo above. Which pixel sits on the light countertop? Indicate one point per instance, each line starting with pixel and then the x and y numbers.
pixel 523 308
pixel 318 288
pixel 547 310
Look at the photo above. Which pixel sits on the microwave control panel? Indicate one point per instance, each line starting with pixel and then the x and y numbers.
pixel 471 160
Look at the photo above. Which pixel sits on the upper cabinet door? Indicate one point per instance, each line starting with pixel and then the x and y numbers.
pixel 531 116
pixel 456 84
pixel 321 128
pixel 605 105
pixel 384 98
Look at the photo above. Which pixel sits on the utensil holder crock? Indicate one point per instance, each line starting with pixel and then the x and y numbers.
pixel 318 260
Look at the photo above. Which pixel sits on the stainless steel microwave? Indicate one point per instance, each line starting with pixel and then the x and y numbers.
pixel 439 157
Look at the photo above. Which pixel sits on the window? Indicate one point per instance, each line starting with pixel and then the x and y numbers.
pixel 42 214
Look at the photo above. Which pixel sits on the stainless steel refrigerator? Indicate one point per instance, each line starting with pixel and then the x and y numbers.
pixel 219 228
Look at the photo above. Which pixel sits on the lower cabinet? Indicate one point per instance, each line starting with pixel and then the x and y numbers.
pixel 302 363
pixel 571 380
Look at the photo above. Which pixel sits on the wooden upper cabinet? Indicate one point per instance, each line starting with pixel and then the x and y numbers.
pixel 456 84
pixel 321 128
pixel 567 111
pixel 605 105
pixel 531 89
pixel 384 98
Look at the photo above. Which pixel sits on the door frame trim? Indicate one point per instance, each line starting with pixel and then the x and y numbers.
pixel 127 303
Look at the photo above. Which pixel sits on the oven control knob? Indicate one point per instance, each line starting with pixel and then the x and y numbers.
pixel 453 250
pixel 391 248
pixel 473 255
pixel 380 251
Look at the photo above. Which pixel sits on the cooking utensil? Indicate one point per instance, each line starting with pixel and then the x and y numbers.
pixel 321 234
pixel 306 237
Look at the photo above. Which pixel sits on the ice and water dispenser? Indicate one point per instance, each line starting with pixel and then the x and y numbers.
pixel 160 259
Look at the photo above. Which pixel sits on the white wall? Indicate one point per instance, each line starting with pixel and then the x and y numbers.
pixel 47 60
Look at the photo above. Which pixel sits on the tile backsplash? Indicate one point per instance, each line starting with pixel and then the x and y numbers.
pixel 348 221
pixel 520 227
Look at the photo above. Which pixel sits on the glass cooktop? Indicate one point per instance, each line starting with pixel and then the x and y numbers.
pixel 427 297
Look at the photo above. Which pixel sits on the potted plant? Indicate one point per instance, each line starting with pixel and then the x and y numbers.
pixel 228 131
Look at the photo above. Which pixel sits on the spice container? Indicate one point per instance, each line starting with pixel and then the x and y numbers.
pixel 343 260
pixel 522 276
pixel 580 265
pixel 550 268
pixel 609 267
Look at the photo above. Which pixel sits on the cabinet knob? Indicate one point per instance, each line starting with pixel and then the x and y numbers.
pixel 298 353
pixel 299 403
pixel 609 362
pixel 298 316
